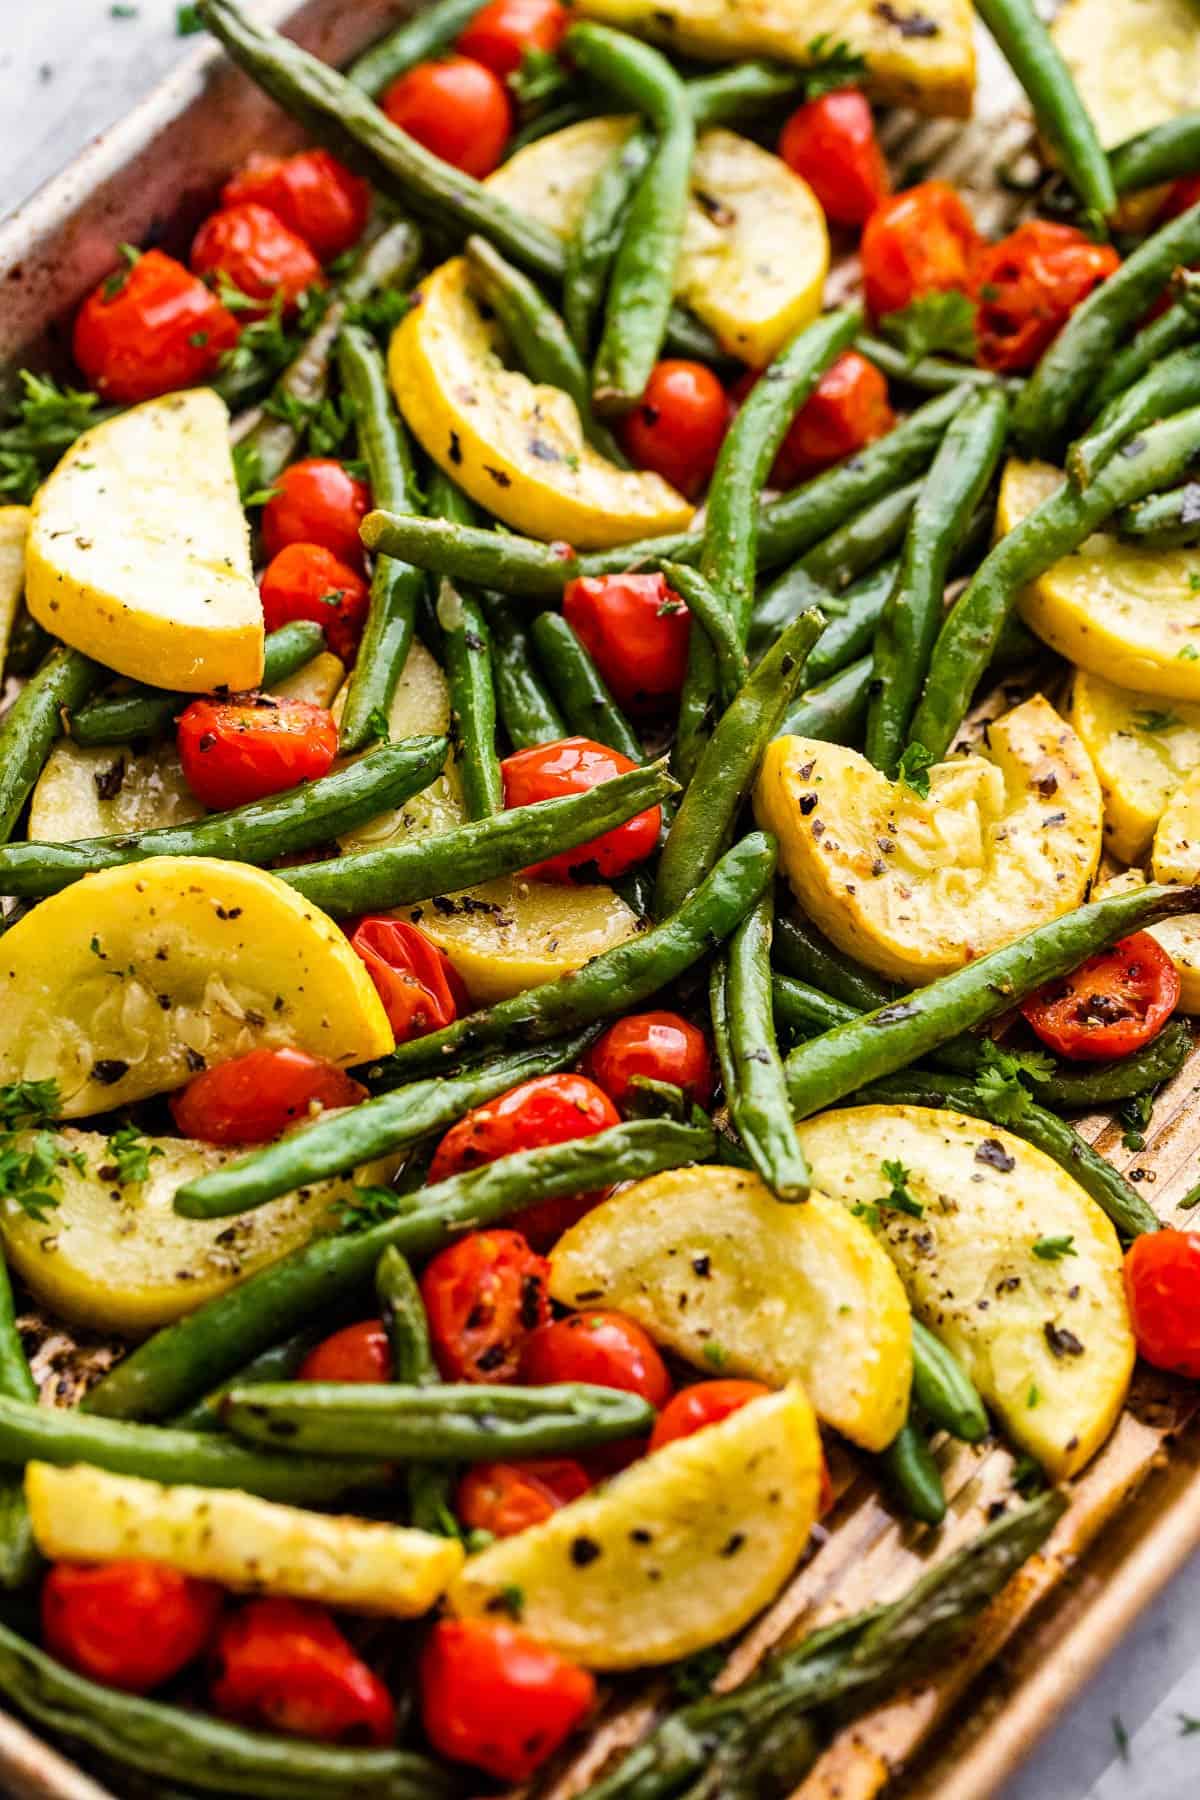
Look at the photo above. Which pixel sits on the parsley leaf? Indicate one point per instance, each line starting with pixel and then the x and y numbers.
pixel 898 1198
pixel 934 322
pixel 29 1173
pixel 131 1153
pixel 540 77
pixel 188 21
pixel 1135 1114
pixel 914 769
pixel 1000 1081
pixel 716 1355
pixel 378 726
pixel 1154 720
pixel 247 467
pixel 24 1103
pixel 832 65
pixel 45 421
pixel 380 312
pixel 1052 1249
pixel 368 1206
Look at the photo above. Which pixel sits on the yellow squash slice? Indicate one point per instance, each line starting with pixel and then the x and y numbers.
pixel 514 445
pixel 14 529
pixel 139 551
pixel 755 248
pixel 1129 614
pixel 676 1553
pixel 715 1269
pixel 1136 63
pixel 1010 1264
pixel 913 887
pixel 1141 750
pixel 1176 852
pixel 128 981
pixel 253 1546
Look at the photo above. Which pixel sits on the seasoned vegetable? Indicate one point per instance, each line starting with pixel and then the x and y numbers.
pixel 1140 748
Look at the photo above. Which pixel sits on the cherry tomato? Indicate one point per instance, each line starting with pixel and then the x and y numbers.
pixel 359 1352
pixel 678 425
pixel 285 1666
pixel 457 109
pixel 831 142
pixel 483 1296
pixel 418 984
pixel 317 501
pixel 1181 197
pixel 660 1045
pixel 255 251
pixel 314 194
pixel 235 751
pixel 707 1403
pixel 922 241
pixel 635 629
pixel 149 329
pixel 495 1698
pixel 1027 286
pixel 500 34
pixel 505 1498
pixel 307 581
pixel 847 410
pixel 254 1098
pixel 572 766
pixel 604 1349
pixel 130 1625
pixel 1162 1283
pixel 1116 1002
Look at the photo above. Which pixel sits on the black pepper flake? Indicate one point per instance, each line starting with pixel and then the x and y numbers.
pixel 109 1070
pixel 1061 1341
pixel 110 781
pixel 584 1550
pixel 702 1266
pixel 909 25
pixel 456 454
pixel 733 1544
pixel 498 476
pixel 992 1152
pixel 807 802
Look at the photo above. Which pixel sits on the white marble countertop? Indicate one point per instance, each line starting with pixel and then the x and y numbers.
pixel 68 68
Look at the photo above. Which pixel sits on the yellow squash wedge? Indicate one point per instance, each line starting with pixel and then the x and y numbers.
pixel 139 551
pixel 514 445
pixel 1141 750
pixel 1176 852
pixel 128 981
pixel 1010 1264
pixel 755 249
pixel 717 1271
pixel 1136 63
pixel 914 887
pixel 1126 613
pixel 676 1553
pixel 14 530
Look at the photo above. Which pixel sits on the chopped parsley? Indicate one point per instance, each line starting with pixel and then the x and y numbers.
pixel 1135 1114
pixel 367 1206
pixel 1053 1249
pixel 915 765
pixel 934 322
pixel 1000 1081
pixel 1153 719
pixel 832 65
pixel 541 77
pixel 188 21
pixel 716 1355
pixel 130 1153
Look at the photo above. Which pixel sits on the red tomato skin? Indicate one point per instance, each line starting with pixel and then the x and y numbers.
pixel 314 194
pixel 831 143
pixel 235 751
pixel 678 425
pixel 483 1296
pixel 283 1665
pixel 1181 197
pixel 317 501
pixel 131 1625
pixel 660 1045
pixel 495 1698
pixel 1162 1285
pixel 418 984
pixel 636 630
pixel 256 252
pixel 921 241
pixel 604 1349
pixel 307 581
pixel 359 1352
pixel 151 330
pixel 572 766
pixel 707 1403
pixel 500 34
pixel 847 410
pixel 254 1098
pixel 457 109
pixel 1135 976
pixel 505 1498
pixel 1027 286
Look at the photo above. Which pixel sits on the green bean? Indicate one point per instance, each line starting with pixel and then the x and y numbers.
pixel 823 1071
pixel 911 1471
pixel 730 95
pixel 33 722
pixel 580 689
pixel 854 612
pixel 728 764
pixel 1163 153
pixel 166 1371
pixel 943 1390
pixel 527 711
pixel 967 641
pixel 1172 330
pixel 867 536
pixel 908 626
pixel 465 643
pixel 712 613
pixel 1168 387
pixel 804 952
pixel 1103 1084
pixel 805 1009
pixel 414 40
pixel 834 712
pixel 930 374
pixel 278 1363
pixel 143 712
pixel 1169 521
pixel 755 1084
pixel 300 817
pixel 554 118
pixel 523 567
pixel 430 1485
pixel 27 644
pixel 18 1552
pixel 594 243
pixel 1059 387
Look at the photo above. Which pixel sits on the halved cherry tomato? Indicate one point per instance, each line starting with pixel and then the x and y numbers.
pixel 707 1403
pixel 235 751
pixel 1027 286
pixel 317 501
pixel 505 1498
pixel 678 425
pixel 284 1664
pixel 831 142
pixel 495 1698
pixel 254 1098
pixel 572 766
pixel 635 629
pixel 604 1349
pixel 1113 1004
pixel 359 1352
pixel 418 984
pixel 848 409
pixel 255 251
pixel 307 581
pixel 922 241
pixel 130 1625
pixel 660 1045
pixel 149 329
pixel 1162 1284
pixel 315 195
pixel 500 34
pixel 483 1296
pixel 457 109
